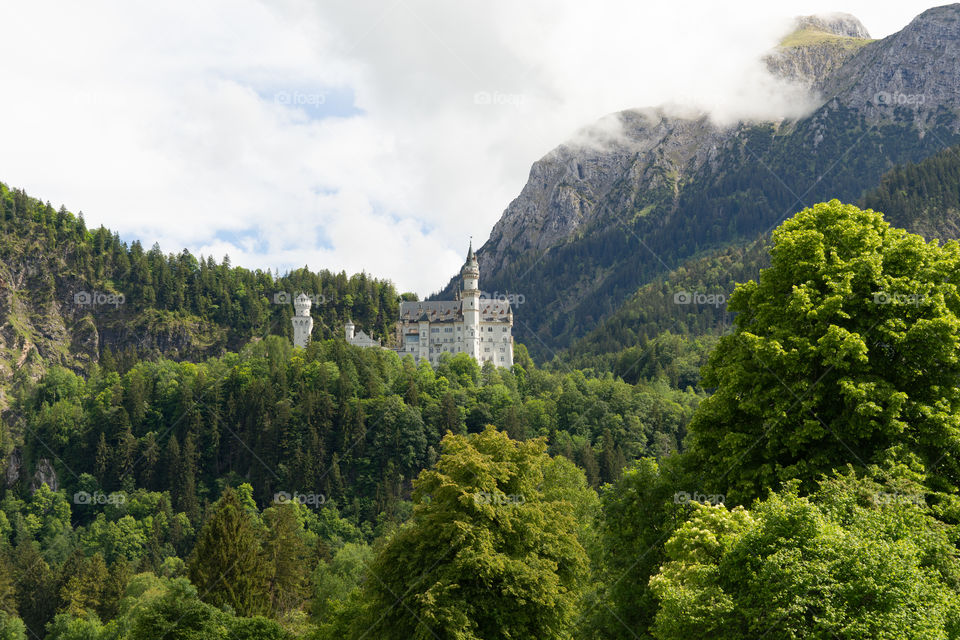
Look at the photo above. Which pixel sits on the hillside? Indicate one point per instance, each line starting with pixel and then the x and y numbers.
pixel 70 296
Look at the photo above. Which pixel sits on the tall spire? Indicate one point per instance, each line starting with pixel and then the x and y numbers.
pixel 470 257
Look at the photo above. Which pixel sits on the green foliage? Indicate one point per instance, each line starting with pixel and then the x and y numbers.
pixel 226 564
pixel 489 552
pixel 834 565
pixel 639 513
pixel 845 351
pixel 335 580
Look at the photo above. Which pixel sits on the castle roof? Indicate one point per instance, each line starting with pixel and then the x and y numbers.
pixel 452 310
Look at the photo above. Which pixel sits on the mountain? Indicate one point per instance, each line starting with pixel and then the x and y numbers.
pixel 816 48
pixel 642 191
pixel 652 335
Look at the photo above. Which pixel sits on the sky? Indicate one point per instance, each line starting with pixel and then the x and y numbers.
pixel 352 135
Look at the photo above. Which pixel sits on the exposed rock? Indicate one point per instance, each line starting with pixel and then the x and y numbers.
pixel 45 474
pixel 14 464
pixel 652 152
pixel 818 46
pixel 652 164
pixel 914 72
pixel 656 149
pixel 838 24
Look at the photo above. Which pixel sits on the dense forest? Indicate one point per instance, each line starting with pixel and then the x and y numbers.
pixel 178 305
pixel 339 492
pixel 777 460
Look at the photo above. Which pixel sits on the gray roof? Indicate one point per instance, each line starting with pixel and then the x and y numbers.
pixel 436 311
pixel 452 310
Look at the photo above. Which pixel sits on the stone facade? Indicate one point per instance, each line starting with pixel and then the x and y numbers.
pixel 479 326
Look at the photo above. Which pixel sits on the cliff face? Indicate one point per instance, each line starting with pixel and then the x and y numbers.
pixel 579 184
pixel 818 47
pixel 602 214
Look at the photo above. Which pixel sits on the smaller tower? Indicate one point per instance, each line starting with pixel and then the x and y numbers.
pixel 348 329
pixel 302 322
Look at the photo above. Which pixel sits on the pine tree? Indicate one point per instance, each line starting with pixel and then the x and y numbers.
pixel 227 565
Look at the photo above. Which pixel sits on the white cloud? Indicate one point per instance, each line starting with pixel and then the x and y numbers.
pixel 347 134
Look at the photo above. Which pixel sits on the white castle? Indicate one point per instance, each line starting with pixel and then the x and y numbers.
pixel 479 326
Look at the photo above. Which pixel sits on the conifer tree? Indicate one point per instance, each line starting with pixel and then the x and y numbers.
pixel 227 565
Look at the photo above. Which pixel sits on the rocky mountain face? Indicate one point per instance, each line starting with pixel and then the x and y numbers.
pixel 818 47
pixel 605 213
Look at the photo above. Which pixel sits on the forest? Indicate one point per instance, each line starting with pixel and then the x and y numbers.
pixel 802 483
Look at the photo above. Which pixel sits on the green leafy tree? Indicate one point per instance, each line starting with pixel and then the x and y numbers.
pixel 638 515
pixel 488 553
pixel 12 627
pixel 226 564
pixel 845 351
pixel 177 614
pixel 853 561
pixel 334 581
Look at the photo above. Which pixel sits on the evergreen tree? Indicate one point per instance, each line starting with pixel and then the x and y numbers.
pixel 227 565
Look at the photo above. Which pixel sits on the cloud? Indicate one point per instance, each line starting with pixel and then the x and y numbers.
pixel 349 134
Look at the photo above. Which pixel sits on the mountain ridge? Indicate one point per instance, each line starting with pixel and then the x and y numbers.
pixel 593 223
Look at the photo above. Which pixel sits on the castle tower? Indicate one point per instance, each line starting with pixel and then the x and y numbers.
pixel 471 305
pixel 348 329
pixel 302 322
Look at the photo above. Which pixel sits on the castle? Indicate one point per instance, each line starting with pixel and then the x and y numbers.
pixel 479 326
pixel 472 324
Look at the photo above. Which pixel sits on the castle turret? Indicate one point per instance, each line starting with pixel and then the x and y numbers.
pixel 302 322
pixel 471 304
pixel 348 329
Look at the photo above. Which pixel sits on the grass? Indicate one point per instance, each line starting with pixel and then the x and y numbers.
pixel 808 37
